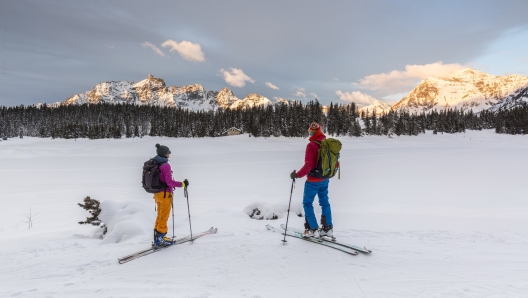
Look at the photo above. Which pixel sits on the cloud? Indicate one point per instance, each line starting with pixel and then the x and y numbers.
pixel 147 44
pixel 236 77
pixel 188 50
pixel 356 96
pixel 299 92
pixel 270 85
pixel 402 81
pixel 393 98
pixel 314 95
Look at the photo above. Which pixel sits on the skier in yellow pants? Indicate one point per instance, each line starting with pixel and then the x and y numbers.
pixel 164 198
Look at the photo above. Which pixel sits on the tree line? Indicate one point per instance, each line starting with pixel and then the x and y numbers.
pixel 290 119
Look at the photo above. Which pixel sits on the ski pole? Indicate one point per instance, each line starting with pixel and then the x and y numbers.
pixel 288 216
pixel 188 210
pixel 172 204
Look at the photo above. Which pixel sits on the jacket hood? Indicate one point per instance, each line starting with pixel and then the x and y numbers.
pixel 318 136
pixel 161 160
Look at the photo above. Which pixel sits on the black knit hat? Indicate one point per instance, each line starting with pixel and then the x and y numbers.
pixel 162 150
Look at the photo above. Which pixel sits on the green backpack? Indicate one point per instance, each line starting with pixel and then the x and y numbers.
pixel 327 159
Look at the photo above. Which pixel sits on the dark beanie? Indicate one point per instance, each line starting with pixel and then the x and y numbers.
pixel 162 150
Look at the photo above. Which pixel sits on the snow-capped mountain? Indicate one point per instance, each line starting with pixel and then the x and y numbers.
pixel 153 91
pixel 466 89
pixel 250 101
pixel 378 106
pixel 518 98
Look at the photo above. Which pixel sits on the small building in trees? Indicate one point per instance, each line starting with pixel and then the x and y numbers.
pixel 233 131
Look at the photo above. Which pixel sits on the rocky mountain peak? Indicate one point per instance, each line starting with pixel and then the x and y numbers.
pixel 153 91
pixel 149 83
pixel 378 106
pixel 465 89
pixel 250 101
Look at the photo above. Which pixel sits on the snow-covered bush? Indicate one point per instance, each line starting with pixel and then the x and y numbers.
pixel 92 206
pixel 260 210
pixel 127 220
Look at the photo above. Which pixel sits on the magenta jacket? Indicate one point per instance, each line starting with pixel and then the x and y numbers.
pixel 310 157
pixel 166 174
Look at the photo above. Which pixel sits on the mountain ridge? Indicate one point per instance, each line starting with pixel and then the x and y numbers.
pixel 466 89
pixel 153 91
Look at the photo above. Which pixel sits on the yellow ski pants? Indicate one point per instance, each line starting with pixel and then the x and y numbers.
pixel 163 205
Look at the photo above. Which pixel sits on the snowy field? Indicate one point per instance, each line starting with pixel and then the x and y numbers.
pixel 445 216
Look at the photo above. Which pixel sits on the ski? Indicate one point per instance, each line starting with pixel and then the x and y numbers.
pixel 354 247
pixel 152 250
pixel 325 243
pixel 177 241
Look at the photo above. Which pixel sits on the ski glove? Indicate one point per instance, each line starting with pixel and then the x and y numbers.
pixel 185 183
pixel 293 174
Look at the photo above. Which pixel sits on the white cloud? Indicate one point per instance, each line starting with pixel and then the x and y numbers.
pixel 356 97
pixel 147 44
pixel 335 79
pixel 279 99
pixel 299 92
pixel 313 95
pixel 188 50
pixel 270 85
pixel 236 77
pixel 403 81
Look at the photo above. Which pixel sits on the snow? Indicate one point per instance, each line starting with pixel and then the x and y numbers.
pixel 465 89
pixel 264 210
pixel 125 220
pixel 445 215
pixel 378 106
pixel 153 91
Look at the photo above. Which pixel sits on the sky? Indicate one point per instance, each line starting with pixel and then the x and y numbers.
pixel 335 51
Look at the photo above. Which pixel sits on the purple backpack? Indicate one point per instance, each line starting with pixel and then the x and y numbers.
pixel 151 177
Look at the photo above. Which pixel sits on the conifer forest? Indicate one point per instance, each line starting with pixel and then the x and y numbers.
pixel 289 119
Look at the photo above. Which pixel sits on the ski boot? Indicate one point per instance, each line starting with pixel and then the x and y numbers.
pixel 160 240
pixel 311 233
pixel 327 231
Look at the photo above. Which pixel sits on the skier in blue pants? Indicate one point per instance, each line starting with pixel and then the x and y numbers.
pixel 321 190
pixel 314 186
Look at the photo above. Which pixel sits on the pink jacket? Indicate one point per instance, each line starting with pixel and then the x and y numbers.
pixel 310 158
pixel 166 177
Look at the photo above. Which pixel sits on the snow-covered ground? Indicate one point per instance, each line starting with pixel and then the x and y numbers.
pixel 445 216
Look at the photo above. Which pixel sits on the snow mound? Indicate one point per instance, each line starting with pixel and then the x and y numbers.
pixel 126 220
pixel 260 210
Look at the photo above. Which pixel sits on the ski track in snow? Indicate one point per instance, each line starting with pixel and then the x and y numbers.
pixel 445 216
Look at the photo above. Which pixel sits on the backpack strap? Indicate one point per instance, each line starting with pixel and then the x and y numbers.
pixel 319 144
pixel 317 162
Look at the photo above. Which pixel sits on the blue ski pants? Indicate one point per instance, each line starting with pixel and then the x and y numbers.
pixel 321 190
